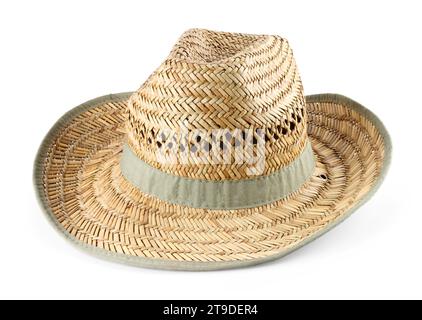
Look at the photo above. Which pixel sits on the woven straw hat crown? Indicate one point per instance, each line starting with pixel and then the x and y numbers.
pixel 217 80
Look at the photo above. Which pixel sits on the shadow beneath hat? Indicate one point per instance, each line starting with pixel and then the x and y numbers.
pixel 362 232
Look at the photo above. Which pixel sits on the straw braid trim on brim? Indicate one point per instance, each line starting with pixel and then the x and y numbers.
pixel 199 265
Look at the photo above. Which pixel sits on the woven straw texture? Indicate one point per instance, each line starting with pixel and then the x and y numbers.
pixel 213 80
pixel 80 184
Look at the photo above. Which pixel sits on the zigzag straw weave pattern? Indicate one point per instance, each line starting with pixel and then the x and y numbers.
pixel 212 80
pixel 215 80
pixel 92 201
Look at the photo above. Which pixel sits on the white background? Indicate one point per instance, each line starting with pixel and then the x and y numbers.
pixel 55 55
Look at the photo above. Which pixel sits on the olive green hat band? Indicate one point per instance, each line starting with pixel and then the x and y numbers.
pixel 225 194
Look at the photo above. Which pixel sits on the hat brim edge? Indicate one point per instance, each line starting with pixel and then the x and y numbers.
pixel 194 265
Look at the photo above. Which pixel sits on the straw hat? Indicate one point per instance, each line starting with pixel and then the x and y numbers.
pixel 217 161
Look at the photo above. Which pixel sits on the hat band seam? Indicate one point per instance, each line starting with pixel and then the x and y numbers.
pixel 224 194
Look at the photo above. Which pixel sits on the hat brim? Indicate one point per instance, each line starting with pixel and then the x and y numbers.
pixel 81 189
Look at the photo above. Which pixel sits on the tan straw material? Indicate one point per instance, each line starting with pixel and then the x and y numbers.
pixel 222 80
pixel 212 80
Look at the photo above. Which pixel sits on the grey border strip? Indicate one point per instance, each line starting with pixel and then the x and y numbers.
pixel 226 194
pixel 195 266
